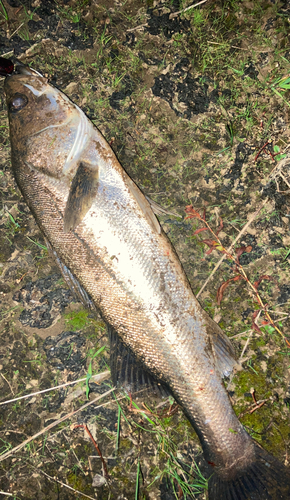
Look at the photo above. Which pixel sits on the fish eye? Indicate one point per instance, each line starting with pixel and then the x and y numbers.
pixel 17 102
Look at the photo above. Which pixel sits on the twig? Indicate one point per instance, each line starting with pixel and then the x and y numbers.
pixel 272 156
pixel 278 312
pixel 247 331
pixel 3 376
pixel 14 32
pixel 285 180
pixel 98 378
pixel 239 270
pixel 229 250
pixel 18 10
pixel 7 54
pixel 231 46
pixel 252 391
pixel 65 417
pixel 248 339
pixel 279 166
pixel 85 427
pixel 138 27
pixel 258 406
pixel 65 485
pixel 175 14
pixel 245 346
pixel 260 151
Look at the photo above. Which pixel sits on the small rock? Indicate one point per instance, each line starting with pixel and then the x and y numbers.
pixel 98 481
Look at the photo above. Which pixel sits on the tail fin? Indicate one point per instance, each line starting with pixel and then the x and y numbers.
pixel 265 479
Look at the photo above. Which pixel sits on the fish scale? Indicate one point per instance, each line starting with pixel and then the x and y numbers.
pixel 103 230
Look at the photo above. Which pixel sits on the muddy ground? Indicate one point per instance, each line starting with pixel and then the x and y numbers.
pixel 196 106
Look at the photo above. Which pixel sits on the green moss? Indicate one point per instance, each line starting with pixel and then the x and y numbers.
pixel 247 379
pixel 260 342
pixel 87 448
pixel 268 424
pixel 78 483
pixel 125 444
pixel 76 320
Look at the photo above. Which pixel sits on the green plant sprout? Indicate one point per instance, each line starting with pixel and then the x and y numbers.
pixel 90 370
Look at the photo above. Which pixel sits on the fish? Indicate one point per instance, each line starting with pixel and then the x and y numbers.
pixel 108 241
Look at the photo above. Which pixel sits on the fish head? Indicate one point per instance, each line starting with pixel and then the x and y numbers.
pixel 47 131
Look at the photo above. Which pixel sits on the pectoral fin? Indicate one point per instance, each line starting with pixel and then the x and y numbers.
pixel 83 190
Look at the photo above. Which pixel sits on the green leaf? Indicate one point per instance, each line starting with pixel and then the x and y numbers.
pixel 284 83
pixel 280 157
pixel 90 371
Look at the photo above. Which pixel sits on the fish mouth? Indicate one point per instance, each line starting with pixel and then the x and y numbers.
pixel 23 75
pixel 23 69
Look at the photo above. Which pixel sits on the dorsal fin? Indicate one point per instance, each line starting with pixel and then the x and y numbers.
pixel 159 210
pixel 222 349
pixel 143 204
pixel 82 192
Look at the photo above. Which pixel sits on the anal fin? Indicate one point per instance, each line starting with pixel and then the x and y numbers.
pixel 127 373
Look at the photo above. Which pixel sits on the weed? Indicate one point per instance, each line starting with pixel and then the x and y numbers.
pixel 24 33
pixel 118 428
pixel 39 245
pixel 90 369
pixel 278 155
pixel 38 360
pixel 137 481
pixel 70 13
pixel 4 446
pixel 283 84
pixel 3 11
pixel 29 15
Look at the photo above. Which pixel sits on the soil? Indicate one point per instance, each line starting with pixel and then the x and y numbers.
pixel 196 105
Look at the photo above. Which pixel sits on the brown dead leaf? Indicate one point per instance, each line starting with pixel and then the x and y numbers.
pixel 221 289
pixel 200 230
